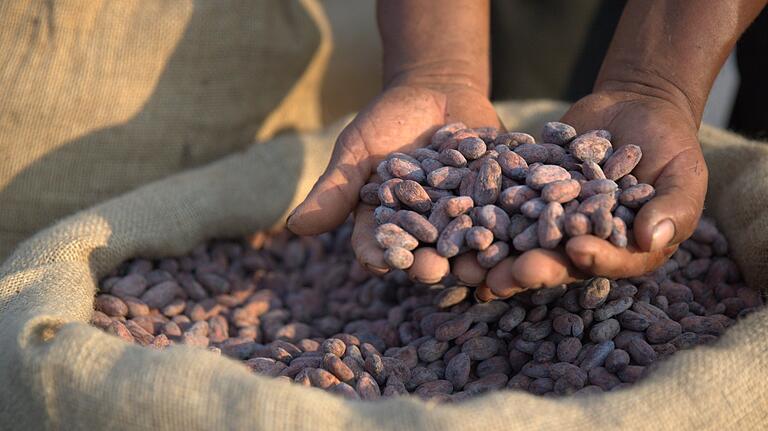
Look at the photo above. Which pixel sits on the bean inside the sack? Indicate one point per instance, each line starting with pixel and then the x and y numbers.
pixel 302 310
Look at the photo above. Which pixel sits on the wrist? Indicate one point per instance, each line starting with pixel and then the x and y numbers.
pixel 440 75
pixel 649 82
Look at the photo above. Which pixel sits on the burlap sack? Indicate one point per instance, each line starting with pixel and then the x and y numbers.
pixel 101 96
pixel 56 372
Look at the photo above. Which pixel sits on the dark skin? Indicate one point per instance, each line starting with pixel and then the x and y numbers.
pixel 650 92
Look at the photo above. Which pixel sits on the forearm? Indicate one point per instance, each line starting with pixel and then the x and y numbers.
pixel 674 49
pixel 445 42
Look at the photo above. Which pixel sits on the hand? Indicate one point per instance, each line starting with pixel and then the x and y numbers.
pixel 672 162
pixel 401 118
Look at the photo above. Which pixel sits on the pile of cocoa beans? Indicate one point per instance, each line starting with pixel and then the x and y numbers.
pixel 477 189
pixel 303 310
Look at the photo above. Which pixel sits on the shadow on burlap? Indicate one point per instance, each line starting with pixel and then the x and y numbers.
pixel 57 372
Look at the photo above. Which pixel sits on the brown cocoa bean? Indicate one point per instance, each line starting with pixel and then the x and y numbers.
pixel 472 147
pixel 160 295
pixel 391 235
pixel 604 331
pixel 421 154
pixel 451 296
pixel 568 324
pixel 592 204
pixel 453 158
pixel 511 199
pixel 416 225
pixel 412 194
pixel 601 377
pixel 613 308
pixel 513 165
pixel 429 165
pixel 495 219
pixel 532 153
pixel 546 174
pixel 561 191
pixel 451 239
pixel 596 187
pixel 369 194
pixel 398 258
pixel 622 162
pixel 453 328
pixel 595 293
pixel 641 352
pixel 444 133
pixel 527 239
pixel 533 208
pixel 406 169
pixel 557 133
pixel 627 181
pixel 458 205
pixel 487 184
pixel 590 147
pixel 616 361
pixel 631 373
pixel 602 223
pixel 592 171
pixel 618 233
pixel 637 195
pixel 568 349
pixel 111 305
pixel 702 325
pixel 595 356
pixel 557 154
pixel 513 139
pixel 478 238
pixel 492 255
pixel 550 225
pixel 488 383
pixel 130 285
pixel 633 321
pixel 576 224
pixel 446 178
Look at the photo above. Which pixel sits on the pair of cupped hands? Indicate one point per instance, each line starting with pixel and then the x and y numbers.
pixel 404 117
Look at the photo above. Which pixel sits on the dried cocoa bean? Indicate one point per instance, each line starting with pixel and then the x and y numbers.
pixel 622 162
pixel 590 147
pixel 451 239
pixel 412 194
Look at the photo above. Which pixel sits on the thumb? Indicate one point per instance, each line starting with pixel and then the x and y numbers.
pixel 335 194
pixel 671 216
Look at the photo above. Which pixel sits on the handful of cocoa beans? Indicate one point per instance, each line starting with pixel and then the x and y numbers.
pixel 500 193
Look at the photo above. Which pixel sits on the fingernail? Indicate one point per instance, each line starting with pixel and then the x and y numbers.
pixel 662 234
pixel 290 216
pixel 507 291
pixel 483 294
pixel 374 269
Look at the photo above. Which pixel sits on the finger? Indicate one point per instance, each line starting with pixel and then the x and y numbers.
pixel 544 268
pixel 364 244
pixel 671 216
pixel 335 193
pixel 467 270
pixel 483 294
pixel 428 266
pixel 597 256
pixel 501 279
